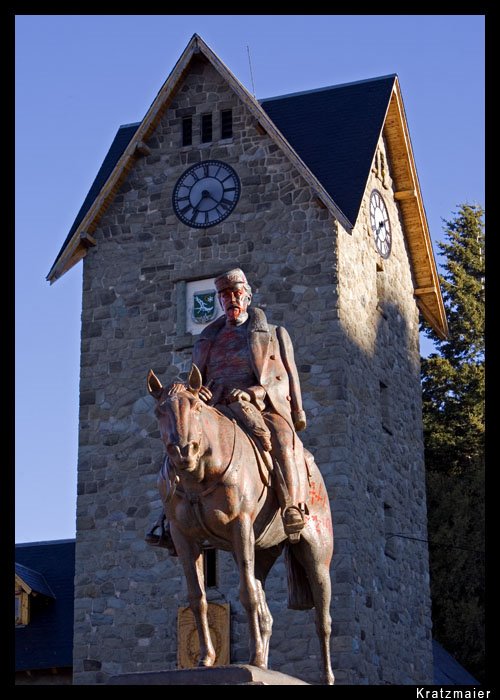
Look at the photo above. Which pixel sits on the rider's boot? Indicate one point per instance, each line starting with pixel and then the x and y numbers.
pixel 292 515
pixel 293 522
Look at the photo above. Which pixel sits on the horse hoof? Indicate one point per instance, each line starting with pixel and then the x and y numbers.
pixel 208 661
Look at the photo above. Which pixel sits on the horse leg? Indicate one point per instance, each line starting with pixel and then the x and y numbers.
pixel 264 559
pixel 191 558
pixel 251 591
pixel 318 573
pixel 321 590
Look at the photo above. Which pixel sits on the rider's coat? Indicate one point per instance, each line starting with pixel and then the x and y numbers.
pixel 272 358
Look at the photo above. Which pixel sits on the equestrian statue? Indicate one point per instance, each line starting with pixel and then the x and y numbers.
pixel 237 477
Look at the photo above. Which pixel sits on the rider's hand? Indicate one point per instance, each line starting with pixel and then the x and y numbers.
pixel 299 420
pixel 205 394
pixel 175 388
pixel 238 395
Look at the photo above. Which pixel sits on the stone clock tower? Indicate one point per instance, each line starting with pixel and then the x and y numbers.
pixel 316 196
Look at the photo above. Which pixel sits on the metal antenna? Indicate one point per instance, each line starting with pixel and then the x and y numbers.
pixel 251 74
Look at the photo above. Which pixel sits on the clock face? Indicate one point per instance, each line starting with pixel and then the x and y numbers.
pixel 206 194
pixel 381 226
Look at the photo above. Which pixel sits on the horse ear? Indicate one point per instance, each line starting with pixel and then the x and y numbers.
pixel 195 380
pixel 154 385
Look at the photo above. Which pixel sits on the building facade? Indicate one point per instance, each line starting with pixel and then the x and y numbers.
pixel 327 222
pixel 44 596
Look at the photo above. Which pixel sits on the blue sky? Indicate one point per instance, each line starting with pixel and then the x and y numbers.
pixel 79 77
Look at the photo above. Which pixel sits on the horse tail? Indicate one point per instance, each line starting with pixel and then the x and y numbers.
pixel 299 589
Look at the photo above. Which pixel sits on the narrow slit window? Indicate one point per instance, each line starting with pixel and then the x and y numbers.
pixel 210 567
pixel 187 131
pixel 382 169
pixel 385 407
pixel 206 128
pixel 391 544
pixel 381 294
pixel 226 124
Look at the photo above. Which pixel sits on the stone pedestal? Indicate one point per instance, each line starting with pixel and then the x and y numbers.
pixel 237 674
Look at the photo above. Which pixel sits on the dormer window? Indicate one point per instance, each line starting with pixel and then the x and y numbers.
pixel 27 585
pixel 22 607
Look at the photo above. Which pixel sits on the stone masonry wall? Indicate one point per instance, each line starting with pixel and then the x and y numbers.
pixel 385 581
pixel 127 593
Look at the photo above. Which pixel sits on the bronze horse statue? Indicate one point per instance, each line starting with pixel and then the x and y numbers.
pixel 216 493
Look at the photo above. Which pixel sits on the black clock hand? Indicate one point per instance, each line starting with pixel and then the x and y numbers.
pixel 205 195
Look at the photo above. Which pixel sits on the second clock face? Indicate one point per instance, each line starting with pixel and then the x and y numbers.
pixel 206 194
pixel 381 226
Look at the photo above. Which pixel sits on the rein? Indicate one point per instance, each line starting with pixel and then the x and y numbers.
pixel 195 498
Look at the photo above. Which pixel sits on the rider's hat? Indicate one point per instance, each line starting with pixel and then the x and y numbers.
pixel 232 278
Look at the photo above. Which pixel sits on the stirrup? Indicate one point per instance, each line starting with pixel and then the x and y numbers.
pixel 151 538
pixel 293 522
pixel 164 539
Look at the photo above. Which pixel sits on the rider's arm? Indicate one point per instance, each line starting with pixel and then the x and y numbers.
pixel 257 395
pixel 287 356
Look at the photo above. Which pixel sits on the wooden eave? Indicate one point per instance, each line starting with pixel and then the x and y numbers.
pixel 22 584
pixel 78 245
pixel 407 192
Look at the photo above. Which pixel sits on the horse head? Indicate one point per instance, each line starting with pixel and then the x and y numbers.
pixel 178 409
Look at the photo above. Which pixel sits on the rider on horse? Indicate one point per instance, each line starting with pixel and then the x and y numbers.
pixel 249 373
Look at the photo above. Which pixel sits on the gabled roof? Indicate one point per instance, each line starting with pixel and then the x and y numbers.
pixel 47 641
pixel 335 130
pixel 33 581
pixel 76 244
pixel 330 135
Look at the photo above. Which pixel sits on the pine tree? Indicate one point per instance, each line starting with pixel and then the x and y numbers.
pixel 453 415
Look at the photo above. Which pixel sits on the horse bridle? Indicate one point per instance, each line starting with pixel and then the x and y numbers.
pixel 194 497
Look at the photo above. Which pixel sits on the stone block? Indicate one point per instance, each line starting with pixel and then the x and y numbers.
pixel 237 674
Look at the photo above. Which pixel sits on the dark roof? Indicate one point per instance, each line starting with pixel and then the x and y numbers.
pixel 335 131
pixel 35 580
pixel 447 671
pixel 120 143
pixel 47 641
